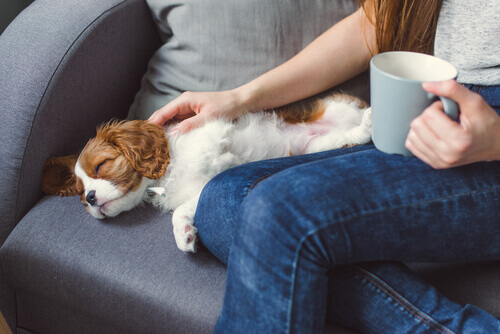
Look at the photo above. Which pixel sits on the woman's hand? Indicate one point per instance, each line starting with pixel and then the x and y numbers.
pixel 443 143
pixel 195 109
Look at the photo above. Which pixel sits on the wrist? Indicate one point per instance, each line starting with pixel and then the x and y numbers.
pixel 248 96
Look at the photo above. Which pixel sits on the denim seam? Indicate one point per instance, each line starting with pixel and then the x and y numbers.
pixel 364 214
pixel 394 295
pixel 256 182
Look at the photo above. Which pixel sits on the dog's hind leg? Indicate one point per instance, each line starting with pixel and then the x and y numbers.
pixel 358 135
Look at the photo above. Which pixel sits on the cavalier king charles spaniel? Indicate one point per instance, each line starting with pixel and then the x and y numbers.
pixel 129 162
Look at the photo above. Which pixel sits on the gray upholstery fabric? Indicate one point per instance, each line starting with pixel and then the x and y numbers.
pixel 214 45
pixel 76 274
pixel 126 272
pixel 65 67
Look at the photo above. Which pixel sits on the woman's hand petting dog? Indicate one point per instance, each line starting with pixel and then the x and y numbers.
pixel 196 109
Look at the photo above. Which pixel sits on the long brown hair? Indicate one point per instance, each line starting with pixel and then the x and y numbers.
pixel 403 25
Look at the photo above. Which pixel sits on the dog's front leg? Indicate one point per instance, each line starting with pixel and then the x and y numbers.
pixel 183 223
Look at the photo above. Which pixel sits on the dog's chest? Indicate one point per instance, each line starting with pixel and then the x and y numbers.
pixel 220 144
pixel 201 154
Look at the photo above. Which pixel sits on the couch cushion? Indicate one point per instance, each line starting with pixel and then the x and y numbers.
pixel 74 273
pixel 125 271
pixel 213 45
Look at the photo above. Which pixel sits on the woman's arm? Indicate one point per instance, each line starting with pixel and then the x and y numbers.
pixel 337 55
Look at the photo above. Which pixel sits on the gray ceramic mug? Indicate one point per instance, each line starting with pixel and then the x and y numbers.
pixel 397 96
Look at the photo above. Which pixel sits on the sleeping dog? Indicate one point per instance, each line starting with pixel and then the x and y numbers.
pixel 127 161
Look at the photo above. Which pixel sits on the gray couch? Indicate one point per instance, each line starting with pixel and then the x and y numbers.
pixel 65 67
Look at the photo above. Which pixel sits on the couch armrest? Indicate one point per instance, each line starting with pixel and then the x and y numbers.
pixel 65 67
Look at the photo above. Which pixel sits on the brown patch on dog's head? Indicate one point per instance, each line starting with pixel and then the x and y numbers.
pixel 143 144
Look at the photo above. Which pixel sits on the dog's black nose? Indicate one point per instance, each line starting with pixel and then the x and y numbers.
pixel 90 198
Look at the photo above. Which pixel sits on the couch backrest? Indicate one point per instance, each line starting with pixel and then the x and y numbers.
pixel 212 45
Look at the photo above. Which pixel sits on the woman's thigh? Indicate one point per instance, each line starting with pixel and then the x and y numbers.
pixel 364 206
pixel 412 200
pixel 217 213
pixel 294 226
pixel 400 207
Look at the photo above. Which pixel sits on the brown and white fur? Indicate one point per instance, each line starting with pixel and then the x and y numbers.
pixel 116 167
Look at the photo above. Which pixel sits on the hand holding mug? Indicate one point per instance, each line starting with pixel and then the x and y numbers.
pixel 442 143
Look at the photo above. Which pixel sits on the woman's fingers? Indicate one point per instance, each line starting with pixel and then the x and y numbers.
pixel 421 141
pixel 189 124
pixel 180 108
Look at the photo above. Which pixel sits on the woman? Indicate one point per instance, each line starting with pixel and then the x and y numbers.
pixel 295 219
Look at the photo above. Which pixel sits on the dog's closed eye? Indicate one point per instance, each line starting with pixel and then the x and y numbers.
pixel 98 167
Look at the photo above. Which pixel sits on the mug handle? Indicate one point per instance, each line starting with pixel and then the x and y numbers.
pixel 450 106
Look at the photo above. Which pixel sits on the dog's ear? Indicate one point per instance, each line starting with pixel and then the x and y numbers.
pixel 142 143
pixel 58 177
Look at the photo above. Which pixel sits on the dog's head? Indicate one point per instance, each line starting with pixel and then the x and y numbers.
pixel 113 170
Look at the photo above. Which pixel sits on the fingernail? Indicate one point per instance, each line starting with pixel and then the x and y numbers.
pixel 431 84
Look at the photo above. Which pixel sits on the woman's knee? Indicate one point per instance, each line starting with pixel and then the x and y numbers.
pixel 218 207
pixel 270 221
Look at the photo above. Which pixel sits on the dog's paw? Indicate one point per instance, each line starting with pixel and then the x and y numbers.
pixel 330 141
pixel 185 235
pixel 366 121
pixel 317 145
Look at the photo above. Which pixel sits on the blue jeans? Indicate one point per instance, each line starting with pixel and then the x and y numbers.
pixel 301 235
